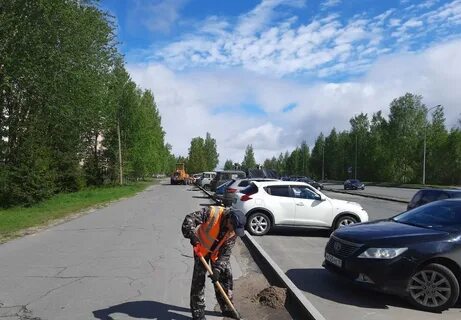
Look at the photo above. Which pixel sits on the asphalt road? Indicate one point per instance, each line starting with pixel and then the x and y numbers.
pixel 127 261
pixel 404 194
pixel 299 253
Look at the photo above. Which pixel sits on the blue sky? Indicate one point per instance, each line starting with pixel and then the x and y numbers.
pixel 276 72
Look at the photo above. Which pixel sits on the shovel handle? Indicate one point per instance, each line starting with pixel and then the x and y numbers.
pixel 220 288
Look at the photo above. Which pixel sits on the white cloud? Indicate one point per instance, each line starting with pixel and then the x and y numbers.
pixel 265 41
pixel 155 15
pixel 412 23
pixel 262 15
pixel 192 103
pixel 330 3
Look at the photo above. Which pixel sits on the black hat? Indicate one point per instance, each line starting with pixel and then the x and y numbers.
pixel 239 220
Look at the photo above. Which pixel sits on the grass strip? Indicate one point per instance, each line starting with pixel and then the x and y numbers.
pixel 15 220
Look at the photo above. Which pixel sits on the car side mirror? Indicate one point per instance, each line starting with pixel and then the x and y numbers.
pixel 320 197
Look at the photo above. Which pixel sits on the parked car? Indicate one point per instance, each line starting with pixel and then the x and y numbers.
pixel 315 184
pixel 219 193
pixel 196 178
pixel 262 173
pixel 353 184
pixel 293 204
pixel 416 254
pixel 428 195
pixel 237 186
pixel 225 175
pixel 206 179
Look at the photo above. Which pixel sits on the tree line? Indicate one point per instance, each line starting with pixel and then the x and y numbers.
pixel 381 149
pixel 203 155
pixel 70 113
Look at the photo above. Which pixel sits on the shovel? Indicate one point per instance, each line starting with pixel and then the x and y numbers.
pixel 218 285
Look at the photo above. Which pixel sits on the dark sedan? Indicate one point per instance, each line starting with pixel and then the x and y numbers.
pixel 353 184
pixel 315 184
pixel 428 195
pixel 416 254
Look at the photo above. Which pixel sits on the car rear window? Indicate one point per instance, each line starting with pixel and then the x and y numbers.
pixel 278 191
pixel 417 197
pixel 251 189
pixel 244 183
pixel 455 194
pixel 433 195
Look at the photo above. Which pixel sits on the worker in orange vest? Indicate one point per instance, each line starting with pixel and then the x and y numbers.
pixel 212 232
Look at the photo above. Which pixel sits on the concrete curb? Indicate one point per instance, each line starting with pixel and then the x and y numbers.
pixel 366 195
pixel 297 304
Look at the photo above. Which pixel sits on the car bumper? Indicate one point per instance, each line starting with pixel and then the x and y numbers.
pixel 389 276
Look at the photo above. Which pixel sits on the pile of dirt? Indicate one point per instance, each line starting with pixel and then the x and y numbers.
pixel 247 288
pixel 273 297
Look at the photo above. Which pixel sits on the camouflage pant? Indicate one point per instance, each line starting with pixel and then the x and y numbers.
pixel 197 290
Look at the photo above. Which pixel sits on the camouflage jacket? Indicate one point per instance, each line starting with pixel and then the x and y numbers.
pixel 194 219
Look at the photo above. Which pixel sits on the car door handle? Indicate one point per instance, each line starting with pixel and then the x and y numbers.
pixel 300 204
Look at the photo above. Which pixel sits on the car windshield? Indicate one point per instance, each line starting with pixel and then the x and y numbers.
pixel 440 215
pixel 355 181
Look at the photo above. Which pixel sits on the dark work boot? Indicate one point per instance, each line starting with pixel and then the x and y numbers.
pixel 198 315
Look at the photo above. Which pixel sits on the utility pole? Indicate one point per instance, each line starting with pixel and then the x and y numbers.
pixel 356 155
pixel 323 160
pixel 120 153
pixel 424 148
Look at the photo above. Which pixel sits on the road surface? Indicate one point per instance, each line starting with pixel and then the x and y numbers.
pixel 127 260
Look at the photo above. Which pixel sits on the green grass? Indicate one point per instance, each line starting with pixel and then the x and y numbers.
pixel 14 221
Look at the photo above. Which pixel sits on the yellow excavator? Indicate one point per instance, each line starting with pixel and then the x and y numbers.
pixel 180 176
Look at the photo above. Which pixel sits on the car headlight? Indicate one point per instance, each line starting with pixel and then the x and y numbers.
pixel 382 253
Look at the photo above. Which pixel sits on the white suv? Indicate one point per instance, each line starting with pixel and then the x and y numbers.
pixel 293 204
pixel 206 178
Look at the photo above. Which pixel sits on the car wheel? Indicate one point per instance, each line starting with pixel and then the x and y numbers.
pixel 434 288
pixel 345 188
pixel 344 221
pixel 258 224
pixel 206 187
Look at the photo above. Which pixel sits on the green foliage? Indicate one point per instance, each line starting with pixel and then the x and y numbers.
pixel 211 153
pixel 203 155
pixel 392 150
pixel 228 165
pixel 197 157
pixel 63 92
pixel 378 150
pixel 249 161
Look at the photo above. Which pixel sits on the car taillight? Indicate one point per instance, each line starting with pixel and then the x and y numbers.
pixel 231 190
pixel 245 197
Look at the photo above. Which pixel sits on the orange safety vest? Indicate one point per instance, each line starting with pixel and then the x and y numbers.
pixel 208 232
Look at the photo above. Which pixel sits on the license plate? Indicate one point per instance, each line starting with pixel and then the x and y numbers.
pixel 332 259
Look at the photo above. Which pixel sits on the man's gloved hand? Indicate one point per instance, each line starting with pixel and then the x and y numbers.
pixel 197 250
pixel 194 240
pixel 215 276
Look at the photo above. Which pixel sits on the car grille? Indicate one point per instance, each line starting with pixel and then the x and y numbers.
pixel 341 248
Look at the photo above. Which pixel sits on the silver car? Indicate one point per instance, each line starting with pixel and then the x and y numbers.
pixel 238 186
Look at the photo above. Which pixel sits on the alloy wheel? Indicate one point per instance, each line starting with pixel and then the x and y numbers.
pixel 430 288
pixel 258 224
pixel 346 222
